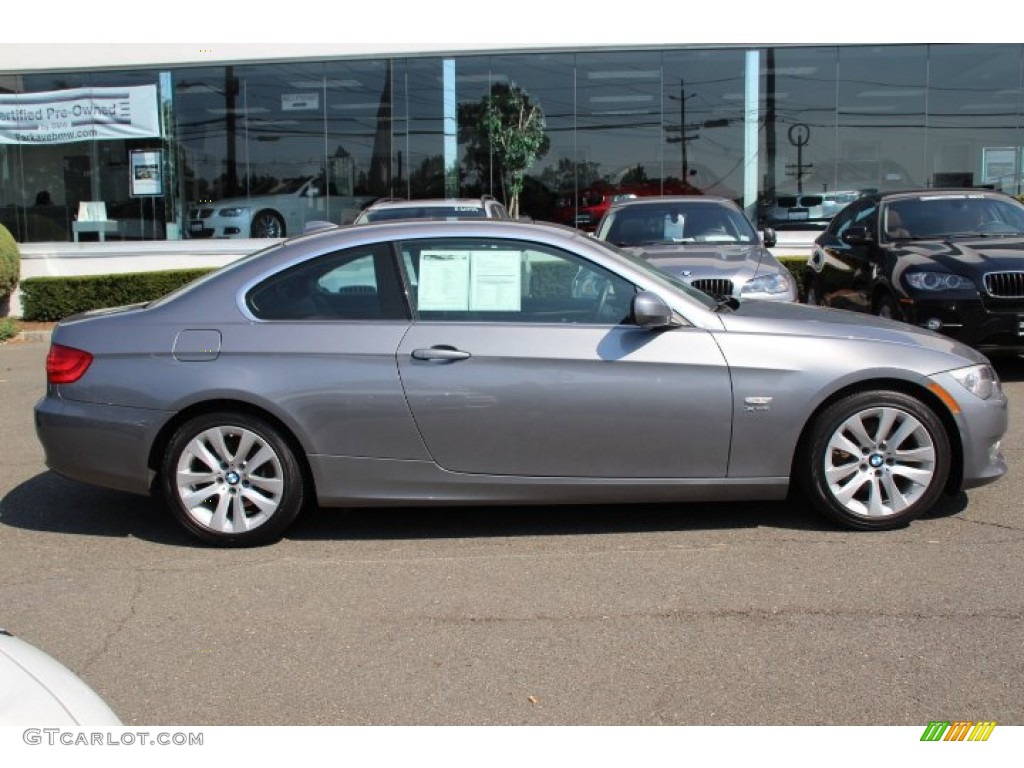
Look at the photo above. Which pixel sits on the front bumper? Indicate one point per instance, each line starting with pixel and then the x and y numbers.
pixel 982 425
pixel 996 328
pixel 216 226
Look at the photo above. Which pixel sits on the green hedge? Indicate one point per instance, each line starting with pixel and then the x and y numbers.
pixel 8 329
pixel 54 298
pixel 10 264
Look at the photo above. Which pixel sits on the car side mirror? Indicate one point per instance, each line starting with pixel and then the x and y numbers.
pixel 857 236
pixel 651 312
pixel 769 238
pixel 313 192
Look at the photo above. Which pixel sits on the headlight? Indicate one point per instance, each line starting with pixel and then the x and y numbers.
pixel 938 281
pixel 980 380
pixel 232 212
pixel 766 284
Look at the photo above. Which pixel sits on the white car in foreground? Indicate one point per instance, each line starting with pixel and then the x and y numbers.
pixel 36 689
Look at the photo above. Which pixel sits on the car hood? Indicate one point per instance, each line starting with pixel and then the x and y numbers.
pixel 784 319
pixel 246 202
pixel 969 257
pixel 36 689
pixel 710 259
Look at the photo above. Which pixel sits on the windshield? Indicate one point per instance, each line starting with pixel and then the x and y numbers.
pixel 943 216
pixel 678 222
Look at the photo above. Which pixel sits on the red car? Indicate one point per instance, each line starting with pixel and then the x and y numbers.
pixel 585 210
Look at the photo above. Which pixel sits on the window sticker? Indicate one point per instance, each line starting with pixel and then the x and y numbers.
pixel 496 281
pixel 444 281
pixel 480 281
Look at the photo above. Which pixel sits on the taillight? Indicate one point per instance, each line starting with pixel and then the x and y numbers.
pixel 66 365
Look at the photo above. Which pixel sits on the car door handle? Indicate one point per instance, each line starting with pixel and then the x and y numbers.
pixel 442 352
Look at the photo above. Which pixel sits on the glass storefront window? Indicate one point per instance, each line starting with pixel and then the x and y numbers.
pixel 974 116
pixel 43 183
pixel 882 113
pixel 260 150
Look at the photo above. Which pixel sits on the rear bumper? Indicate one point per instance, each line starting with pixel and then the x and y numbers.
pixel 102 445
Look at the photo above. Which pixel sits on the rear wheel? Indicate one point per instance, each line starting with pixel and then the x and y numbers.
pixel 876 460
pixel 232 480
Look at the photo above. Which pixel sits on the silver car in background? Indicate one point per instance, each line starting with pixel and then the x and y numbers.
pixel 389 209
pixel 706 241
pixel 492 362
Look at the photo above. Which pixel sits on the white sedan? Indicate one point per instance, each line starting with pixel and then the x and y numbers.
pixel 282 212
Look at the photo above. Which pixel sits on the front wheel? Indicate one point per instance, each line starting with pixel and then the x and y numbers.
pixel 876 460
pixel 231 479
pixel 885 306
pixel 813 297
pixel 267 224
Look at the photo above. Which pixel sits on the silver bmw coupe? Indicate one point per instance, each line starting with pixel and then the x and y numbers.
pixel 486 362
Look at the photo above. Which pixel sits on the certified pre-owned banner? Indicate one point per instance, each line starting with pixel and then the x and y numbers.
pixel 79 114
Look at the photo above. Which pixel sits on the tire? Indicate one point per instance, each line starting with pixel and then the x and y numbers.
pixel 267 224
pixel 813 299
pixel 232 480
pixel 855 474
pixel 886 306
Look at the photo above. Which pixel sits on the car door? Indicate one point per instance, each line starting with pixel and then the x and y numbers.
pixel 324 346
pixel 521 361
pixel 844 272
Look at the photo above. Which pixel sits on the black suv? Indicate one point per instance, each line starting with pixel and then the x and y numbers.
pixel 951 260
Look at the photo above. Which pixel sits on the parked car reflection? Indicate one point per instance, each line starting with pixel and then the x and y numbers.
pixel 282 211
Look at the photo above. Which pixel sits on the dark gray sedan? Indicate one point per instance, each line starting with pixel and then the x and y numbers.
pixel 488 362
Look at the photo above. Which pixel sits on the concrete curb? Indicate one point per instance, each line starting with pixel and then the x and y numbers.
pixel 33 336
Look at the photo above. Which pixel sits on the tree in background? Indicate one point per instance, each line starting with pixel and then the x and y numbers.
pixel 568 175
pixel 504 132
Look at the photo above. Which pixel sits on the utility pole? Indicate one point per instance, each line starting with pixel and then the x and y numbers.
pixel 683 139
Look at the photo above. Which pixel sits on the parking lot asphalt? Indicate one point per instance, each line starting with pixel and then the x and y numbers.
pixel 729 614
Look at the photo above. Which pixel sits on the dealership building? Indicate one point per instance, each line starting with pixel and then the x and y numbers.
pixel 172 142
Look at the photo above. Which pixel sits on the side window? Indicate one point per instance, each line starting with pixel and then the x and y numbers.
pixel 860 215
pixel 356 284
pixel 498 211
pixel 463 280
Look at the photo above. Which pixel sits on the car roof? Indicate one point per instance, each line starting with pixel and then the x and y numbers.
pixel 662 199
pixel 937 192
pixel 431 202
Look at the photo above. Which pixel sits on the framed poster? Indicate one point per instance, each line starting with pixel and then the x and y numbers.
pixel 146 172
pixel 999 165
